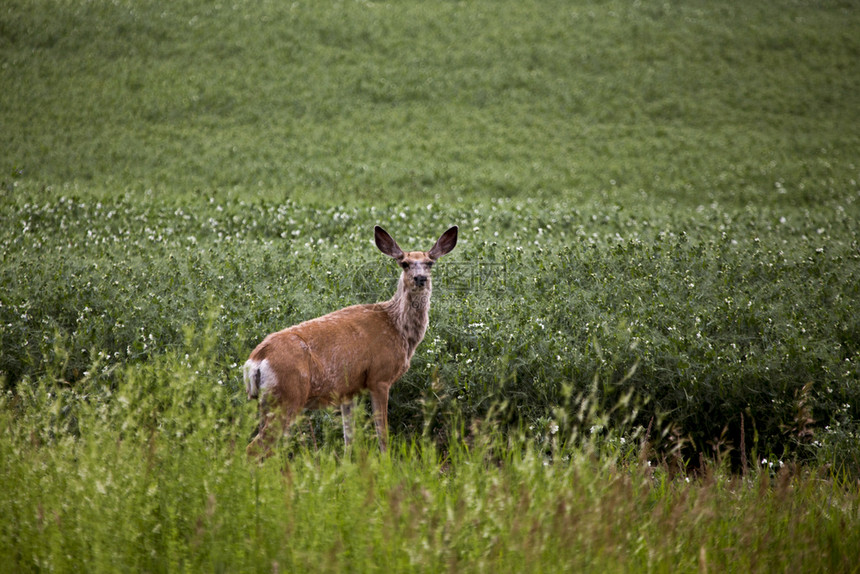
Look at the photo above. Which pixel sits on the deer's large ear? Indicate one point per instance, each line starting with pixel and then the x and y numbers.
pixel 444 244
pixel 386 243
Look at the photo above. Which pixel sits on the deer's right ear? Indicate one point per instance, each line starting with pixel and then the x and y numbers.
pixel 386 243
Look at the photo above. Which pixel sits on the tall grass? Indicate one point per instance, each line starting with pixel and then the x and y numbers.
pixel 151 476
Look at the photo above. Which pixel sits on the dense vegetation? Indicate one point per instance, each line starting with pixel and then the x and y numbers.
pixel 719 316
pixel 645 343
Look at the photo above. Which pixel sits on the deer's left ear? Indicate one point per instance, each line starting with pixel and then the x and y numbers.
pixel 386 243
pixel 444 244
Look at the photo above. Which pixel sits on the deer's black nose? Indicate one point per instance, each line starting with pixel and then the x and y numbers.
pixel 420 280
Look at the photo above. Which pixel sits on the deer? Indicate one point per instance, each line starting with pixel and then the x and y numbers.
pixel 329 360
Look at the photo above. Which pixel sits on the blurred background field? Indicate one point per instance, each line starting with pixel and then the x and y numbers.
pixel 354 101
pixel 658 205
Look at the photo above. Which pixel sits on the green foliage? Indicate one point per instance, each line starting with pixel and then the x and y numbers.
pixel 723 314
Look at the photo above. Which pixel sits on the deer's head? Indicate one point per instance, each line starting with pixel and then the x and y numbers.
pixel 416 265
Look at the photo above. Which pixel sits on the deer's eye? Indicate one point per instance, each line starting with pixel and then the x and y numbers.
pixel 404 264
pixel 429 264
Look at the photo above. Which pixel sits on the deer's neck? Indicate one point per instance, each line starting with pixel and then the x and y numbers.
pixel 410 313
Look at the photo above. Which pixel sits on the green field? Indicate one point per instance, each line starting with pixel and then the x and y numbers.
pixel 643 355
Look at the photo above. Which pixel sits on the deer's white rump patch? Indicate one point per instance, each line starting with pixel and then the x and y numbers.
pixel 258 376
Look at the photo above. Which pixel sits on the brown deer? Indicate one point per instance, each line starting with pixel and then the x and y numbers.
pixel 331 359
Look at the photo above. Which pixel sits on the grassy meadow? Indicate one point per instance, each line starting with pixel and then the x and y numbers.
pixel 643 355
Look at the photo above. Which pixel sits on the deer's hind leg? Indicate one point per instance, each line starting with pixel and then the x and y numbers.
pixel 273 425
pixel 281 401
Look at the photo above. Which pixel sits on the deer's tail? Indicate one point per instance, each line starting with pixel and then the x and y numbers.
pixel 253 375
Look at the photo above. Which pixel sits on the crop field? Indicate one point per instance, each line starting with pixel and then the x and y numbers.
pixel 643 354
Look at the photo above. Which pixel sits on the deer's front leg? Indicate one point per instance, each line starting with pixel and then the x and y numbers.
pixel 379 401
